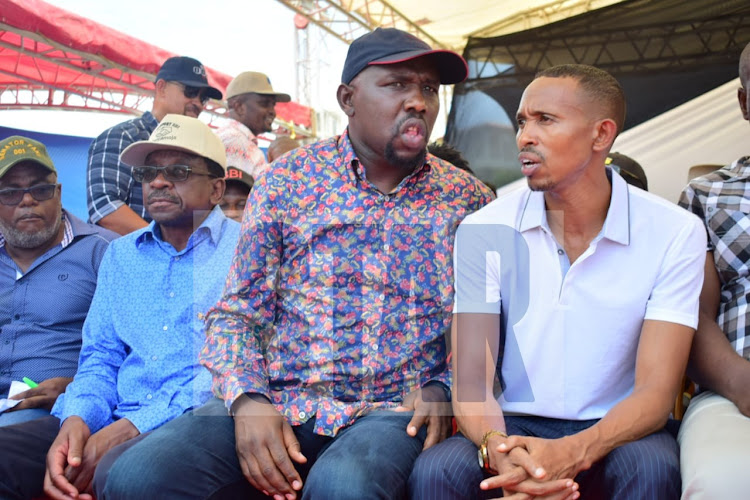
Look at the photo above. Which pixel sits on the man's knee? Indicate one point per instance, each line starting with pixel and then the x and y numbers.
pixel 447 470
pixel 647 468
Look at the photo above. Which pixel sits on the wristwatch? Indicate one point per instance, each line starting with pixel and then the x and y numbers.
pixel 483 454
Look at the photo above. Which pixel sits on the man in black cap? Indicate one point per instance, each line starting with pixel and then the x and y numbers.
pixel 239 184
pixel 115 200
pixel 328 349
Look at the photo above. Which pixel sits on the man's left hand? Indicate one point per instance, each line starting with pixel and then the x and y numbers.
pixel 42 396
pixel 432 409
pixel 96 447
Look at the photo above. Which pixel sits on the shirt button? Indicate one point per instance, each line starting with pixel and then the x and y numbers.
pixel 177 258
pixel 302 414
pixel 148 396
pixel 560 251
pixel 165 328
pixel 17 316
pixel 386 247
pixel 7 342
pixel 154 358
pixel 374 348
pixel 382 296
pixel 171 294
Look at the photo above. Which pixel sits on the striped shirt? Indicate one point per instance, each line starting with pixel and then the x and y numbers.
pixel 109 182
pixel 722 200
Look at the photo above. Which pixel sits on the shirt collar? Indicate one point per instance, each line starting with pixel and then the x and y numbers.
pixel 244 129
pixel 150 119
pixel 355 169
pixel 211 225
pixel 616 225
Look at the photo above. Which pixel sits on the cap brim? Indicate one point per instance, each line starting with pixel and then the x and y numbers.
pixel 451 66
pixel 135 154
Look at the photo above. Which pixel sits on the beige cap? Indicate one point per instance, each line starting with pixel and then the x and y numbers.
pixel 178 133
pixel 252 81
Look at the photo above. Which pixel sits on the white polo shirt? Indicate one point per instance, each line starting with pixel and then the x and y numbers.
pixel 571 332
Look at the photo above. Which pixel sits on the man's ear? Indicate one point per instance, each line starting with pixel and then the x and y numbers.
pixel 606 131
pixel 345 96
pixel 160 86
pixel 218 186
pixel 742 97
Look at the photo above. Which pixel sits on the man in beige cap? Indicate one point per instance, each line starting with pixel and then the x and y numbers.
pixel 138 367
pixel 251 103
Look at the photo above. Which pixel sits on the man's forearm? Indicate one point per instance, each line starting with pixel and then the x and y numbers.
pixel 715 365
pixel 640 414
pixel 122 221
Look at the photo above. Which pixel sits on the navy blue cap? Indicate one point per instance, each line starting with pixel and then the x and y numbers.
pixel 189 72
pixel 390 46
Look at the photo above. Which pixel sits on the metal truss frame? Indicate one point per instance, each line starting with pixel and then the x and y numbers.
pixel 347 20
pixel 645 49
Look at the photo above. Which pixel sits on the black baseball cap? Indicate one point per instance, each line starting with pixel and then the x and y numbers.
pixel 189 72
pixel 629 169
pixel 391 45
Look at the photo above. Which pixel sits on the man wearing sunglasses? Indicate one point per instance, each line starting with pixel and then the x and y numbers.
pixel 138 366
pixel 49 260
pixel 115 199
pixel 251 104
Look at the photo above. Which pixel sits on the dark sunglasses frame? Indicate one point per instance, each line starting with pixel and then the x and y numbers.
pixel 193 92
pixel 40 192
pixel 171 173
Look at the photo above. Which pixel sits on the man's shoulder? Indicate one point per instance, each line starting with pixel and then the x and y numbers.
pixel 138 126
pixel 85 229
pixel 713 183
pixel 664 218
pixel 503 210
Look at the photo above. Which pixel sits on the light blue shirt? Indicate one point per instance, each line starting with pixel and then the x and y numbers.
pixel 144 330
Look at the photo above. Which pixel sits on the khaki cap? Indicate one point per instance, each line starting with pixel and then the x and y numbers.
pixel 178 133
pixel 254 82
pixel 16 149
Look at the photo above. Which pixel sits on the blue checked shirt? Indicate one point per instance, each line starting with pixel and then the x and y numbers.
pixel 142 336
pixel 109 182
pixel 42 310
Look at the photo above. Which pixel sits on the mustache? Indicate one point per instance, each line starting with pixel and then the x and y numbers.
pixel 161 196
pixel 531 149
pixel 411 116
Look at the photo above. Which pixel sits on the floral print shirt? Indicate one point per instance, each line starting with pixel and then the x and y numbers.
pixel 339 296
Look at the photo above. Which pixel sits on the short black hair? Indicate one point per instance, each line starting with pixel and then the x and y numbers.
pixel 597 83
pixel 450 154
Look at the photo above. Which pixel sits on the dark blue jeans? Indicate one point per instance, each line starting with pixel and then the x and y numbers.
pixel 645 469
pixel 194 457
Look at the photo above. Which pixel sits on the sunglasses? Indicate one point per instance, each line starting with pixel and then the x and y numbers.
pixel 171 173
pixel 193 92
pixel 41 192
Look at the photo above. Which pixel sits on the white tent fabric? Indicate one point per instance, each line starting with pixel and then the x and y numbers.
pixel 707 129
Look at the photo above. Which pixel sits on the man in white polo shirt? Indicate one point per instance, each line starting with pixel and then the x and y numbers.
pixel 581 294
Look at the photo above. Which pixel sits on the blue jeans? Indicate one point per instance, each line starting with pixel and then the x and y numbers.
pixel 648 468
pixel 194 457
pixel 21 416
